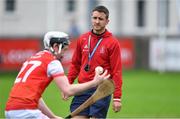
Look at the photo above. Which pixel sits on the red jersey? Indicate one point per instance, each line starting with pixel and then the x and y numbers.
pixel 107 55
pixel 35 75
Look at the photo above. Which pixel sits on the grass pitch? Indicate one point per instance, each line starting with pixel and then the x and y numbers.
pixel 146 94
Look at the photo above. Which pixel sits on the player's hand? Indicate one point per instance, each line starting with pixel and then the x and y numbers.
pixel 100 77
pixel 117 106
pixel 64 97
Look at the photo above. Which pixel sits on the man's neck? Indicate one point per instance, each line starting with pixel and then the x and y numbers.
pixel 98 33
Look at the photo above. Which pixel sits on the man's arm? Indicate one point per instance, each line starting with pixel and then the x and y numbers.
pixel 45 110
pixel 116 72
pixel 72 89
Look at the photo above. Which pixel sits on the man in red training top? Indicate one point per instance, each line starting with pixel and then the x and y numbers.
pixel 97 47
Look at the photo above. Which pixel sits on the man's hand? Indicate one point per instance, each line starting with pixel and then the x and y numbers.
pixel 117 106
pixel 98 78
pixel 64 97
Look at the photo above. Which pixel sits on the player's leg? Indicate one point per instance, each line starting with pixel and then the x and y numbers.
pixel 80 117
pixel 35 114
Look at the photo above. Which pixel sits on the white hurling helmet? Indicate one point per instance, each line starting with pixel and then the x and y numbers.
pixel 56 37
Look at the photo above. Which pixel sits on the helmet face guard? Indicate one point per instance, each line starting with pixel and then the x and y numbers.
pixel 63 41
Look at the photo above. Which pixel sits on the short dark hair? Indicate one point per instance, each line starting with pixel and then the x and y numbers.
pixel 102 9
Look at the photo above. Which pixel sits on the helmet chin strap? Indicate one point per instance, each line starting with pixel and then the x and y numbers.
pixel 59 50
pixel 60 47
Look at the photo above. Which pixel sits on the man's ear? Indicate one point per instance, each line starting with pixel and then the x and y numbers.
pixel 107 21
pixel 55 47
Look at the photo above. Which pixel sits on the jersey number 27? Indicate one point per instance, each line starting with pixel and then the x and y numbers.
pixel 24 72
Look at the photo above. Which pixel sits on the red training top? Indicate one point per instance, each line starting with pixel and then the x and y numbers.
pixel 107 55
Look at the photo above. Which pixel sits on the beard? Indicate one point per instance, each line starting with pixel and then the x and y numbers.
pixel 98 29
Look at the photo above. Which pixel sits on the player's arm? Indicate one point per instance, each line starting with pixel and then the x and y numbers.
pixel 72 89
pixel 45 110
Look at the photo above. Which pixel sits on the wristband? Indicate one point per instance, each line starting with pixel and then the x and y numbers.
pixel 117 100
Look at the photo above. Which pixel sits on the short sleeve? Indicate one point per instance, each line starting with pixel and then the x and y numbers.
pixel 55 69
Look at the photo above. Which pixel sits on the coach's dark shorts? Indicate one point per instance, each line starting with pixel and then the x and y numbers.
pixel 98 109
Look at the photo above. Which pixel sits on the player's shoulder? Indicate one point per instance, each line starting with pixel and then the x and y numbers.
pixel 110 36
pixel 113 39
pixel 43 55
pixel 48 55
pixel 112 42
pixel 83 38
pixel 84 35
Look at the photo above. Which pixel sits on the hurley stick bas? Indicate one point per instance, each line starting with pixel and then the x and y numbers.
pixel 104 89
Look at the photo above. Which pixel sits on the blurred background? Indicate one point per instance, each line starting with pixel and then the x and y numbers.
pixel 148 32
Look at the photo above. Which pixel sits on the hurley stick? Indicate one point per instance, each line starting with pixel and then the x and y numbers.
pixel 104 89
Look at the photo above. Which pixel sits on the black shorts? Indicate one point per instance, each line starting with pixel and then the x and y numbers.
pixel 98 109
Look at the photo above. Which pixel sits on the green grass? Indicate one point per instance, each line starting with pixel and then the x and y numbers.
pixel 145 94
